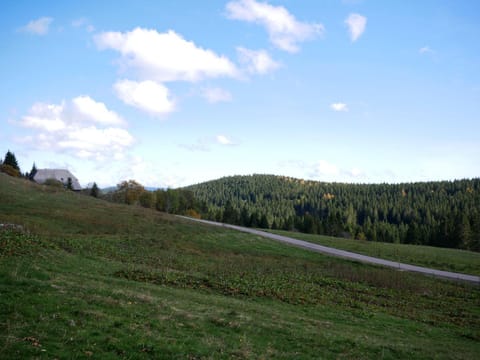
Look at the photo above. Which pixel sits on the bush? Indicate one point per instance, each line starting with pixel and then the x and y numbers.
pixel 193 214
pixel 10 170
pixel 54 183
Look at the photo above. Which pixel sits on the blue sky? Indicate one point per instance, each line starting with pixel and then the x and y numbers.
pixel 172 93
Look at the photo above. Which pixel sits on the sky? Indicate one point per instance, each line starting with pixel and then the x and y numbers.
pixel 176 92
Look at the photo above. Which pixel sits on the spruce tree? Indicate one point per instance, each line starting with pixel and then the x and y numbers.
pixel 32 173
pixel 11 160
pixel 94 190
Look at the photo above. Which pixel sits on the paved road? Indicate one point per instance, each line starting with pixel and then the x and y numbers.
pixel 346 254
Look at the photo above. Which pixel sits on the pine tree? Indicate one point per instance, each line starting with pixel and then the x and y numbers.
pixel 94 190
pixel 32 173
pixel 11 160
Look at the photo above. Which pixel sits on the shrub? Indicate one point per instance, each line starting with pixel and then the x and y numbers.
pixel 10 170
pixel 54 183
pixel 193 214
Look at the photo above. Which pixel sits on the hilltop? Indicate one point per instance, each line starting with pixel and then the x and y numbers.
pixel 82 277
pixel 444 214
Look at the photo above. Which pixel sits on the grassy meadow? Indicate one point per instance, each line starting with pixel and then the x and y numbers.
pixel 455 260
pixel 84 278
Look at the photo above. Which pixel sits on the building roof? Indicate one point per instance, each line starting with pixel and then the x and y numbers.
pixel 58 174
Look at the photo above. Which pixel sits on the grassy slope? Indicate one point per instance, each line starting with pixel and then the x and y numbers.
pixel 455 260
pixel 105 281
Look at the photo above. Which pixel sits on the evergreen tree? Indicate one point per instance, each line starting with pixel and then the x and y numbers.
pixel 32 173
pixel 94 191
pixel 69 184
pixel 11 160
pixel 417 213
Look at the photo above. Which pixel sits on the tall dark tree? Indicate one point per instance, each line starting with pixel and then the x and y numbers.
pixel 11 160
pixel 32 172
pixel 94 191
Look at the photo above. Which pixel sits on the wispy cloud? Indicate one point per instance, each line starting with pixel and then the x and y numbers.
pixel 38 27
pixel 224 140
pixel 83 23
pixel 356 25
pixel 339 107
pixel 324 170
pixel 256 61
pixel 215 95
pixel 284 30
pixel 426 50
pixel 207 143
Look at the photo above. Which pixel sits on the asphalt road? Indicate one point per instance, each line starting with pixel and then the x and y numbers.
pixel 346 254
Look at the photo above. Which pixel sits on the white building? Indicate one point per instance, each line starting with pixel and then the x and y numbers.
pixel 61 175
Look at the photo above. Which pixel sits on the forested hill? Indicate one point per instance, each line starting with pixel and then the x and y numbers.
pixel 443 213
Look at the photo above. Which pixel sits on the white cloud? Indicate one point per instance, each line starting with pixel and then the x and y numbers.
pixel 257 61
pixel 339 107
pixel 284 30
pixel 148 96
pixel 356 25
pixel 165 56
pixel 96 111
pixel 38 27
pixel 426 50
pixel 46 117
pixel 67 127
pixel 224 140
pixel 214 95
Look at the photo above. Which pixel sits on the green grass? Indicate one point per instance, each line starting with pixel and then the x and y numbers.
pixel 455 260
pixel 90 279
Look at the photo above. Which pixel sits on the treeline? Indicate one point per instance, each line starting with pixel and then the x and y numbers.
pixel 445 214
pixel 174 201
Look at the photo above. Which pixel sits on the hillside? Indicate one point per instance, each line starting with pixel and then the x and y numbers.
pixel 442 214
pixel 84 278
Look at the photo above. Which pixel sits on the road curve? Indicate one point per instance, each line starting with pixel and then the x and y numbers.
pixel 346 254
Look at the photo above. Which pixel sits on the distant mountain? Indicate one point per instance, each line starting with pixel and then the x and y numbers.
pixel 445 213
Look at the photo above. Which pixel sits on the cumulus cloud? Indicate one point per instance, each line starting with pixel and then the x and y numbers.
pixel 339 107
pixel 356 25
pixel 90 109
pixel 38 27
pixel 215 95
pixel 165 56
pixel 256 61
pixel 284 30
pixel 79 127
pixel 148 96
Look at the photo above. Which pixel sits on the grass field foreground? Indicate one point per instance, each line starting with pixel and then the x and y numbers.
pixel 83 278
